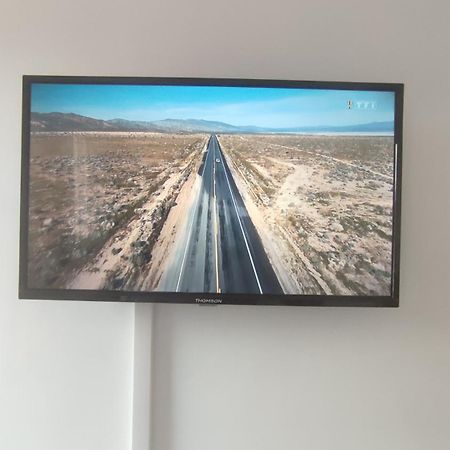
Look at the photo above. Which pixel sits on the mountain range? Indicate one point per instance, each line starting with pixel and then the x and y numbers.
pixel 57 121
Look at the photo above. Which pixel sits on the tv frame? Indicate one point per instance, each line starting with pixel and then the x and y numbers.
pixel 25 292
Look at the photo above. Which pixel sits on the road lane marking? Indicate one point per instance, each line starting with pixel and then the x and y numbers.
pixel 215 224
pixel 192 223
pixel 242 228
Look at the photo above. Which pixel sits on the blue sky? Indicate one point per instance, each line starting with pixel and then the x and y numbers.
pixel 265 107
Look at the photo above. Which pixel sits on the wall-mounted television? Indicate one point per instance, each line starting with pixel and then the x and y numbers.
pixel 191 190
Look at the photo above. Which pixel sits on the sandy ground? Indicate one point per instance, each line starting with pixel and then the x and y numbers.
pixel 134 258
pixel 322 206
pixel 106 209
pixel 98 202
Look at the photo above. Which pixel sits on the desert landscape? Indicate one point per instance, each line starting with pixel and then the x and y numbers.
pixel 322 205
pixel 110 210
pixel 98 204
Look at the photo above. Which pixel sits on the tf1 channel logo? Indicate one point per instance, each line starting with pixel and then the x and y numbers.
pixel 361 104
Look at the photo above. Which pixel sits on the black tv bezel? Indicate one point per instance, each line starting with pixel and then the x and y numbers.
pixel 25 292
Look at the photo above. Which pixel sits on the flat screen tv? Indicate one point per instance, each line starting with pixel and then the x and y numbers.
pixel 192 190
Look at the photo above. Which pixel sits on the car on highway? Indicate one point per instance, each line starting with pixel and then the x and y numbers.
pixel 217 160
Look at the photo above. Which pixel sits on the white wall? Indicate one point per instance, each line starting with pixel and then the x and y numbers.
pixel 324 379
pixel 227 377
pixel 66 368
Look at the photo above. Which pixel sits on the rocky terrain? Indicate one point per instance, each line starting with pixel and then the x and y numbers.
pixel 322 206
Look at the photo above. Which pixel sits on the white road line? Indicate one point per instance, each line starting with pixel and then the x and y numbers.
pixel 242 230
pixel 190 227
pixel 215 224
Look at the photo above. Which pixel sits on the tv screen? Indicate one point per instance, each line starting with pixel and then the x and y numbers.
pixel 211 191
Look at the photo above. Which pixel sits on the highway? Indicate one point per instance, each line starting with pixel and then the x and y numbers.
pixel 222 251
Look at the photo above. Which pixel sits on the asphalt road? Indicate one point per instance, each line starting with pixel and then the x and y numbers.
pixel 223 251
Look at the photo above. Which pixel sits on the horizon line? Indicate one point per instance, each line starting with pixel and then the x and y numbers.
pixel 221 122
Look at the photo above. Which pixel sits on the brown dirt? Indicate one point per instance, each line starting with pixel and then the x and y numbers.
pixel 91 190
pixel 322 205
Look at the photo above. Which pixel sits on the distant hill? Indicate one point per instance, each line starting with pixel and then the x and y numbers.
pixel 196 125
pixel 56 121
pixel 133 125
pixel 378 127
